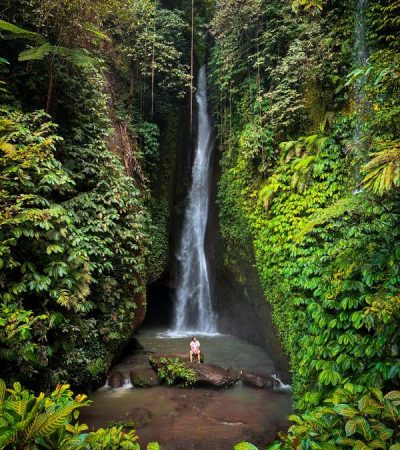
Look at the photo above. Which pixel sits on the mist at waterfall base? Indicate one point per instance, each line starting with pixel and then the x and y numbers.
pixel 193 304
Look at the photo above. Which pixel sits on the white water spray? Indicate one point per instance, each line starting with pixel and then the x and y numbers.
pixel 193 306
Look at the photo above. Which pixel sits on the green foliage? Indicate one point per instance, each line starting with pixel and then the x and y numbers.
pixel 65 226
pixel 50 422
pixel 42 267
pixel 245 446
pixel 76 225
pixel 21 336
pixel 321 209
pixel 353 417
pixel 308 5
pixel 383 171
pixel 175 371
pixel 44 48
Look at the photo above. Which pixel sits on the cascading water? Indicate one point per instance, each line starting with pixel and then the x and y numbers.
pixel 193 306
pixel 360 55
pixel 360 59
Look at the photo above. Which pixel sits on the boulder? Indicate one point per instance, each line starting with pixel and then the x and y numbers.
pixel 144 377
pixel 212 375
pixel 116 379
pixel 257 380
pixel 206 374
pixel 139 416
pixel 234 373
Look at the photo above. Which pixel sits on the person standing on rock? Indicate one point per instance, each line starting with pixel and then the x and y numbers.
pixel 194 349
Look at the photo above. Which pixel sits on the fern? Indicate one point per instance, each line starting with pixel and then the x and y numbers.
pixel 35 52
pixel 346 205
pixel 19 32
pixel 78 57
pixel 382 173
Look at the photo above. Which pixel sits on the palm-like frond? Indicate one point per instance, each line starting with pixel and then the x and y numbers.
pixel 35 53
pixel 19 32
pixel 382 173
pixel 346 205
pixel 76 56
pixel 47 423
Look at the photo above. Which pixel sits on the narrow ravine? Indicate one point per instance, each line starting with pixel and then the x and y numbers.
pixel 201 417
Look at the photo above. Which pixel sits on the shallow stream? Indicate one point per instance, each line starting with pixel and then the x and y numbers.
pixel 196 418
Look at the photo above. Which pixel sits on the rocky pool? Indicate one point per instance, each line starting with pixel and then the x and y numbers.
pixel 201 418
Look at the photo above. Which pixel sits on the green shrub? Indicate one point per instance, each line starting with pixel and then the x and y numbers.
pixel 174 371
pixel 352 417
pixel 47 422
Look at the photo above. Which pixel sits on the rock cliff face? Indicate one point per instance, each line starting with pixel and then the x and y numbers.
pixel 239 299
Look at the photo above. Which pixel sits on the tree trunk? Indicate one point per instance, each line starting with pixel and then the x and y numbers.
pixel 132 89
pixel 49 87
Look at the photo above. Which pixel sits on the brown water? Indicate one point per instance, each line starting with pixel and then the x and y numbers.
pixel 201 419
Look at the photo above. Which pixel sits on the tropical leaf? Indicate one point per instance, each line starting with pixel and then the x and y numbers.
pixel 378 443
pixel 382 173
pixel 350 427
pixel 345 410
pixel 2 392
pixel 274 446
pixel 245 446
pixel 359 445
pixel 345 441
pixel 390 411
pixel 393 395
pixel 18 31
pixel 363 427
pixel 47 423
pixel 153 446
pixel 77 56
pixel 18 406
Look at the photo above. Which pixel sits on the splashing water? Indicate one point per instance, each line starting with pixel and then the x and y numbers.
pixel 281 385
pixel 193 306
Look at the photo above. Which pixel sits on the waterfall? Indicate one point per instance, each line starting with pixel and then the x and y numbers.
pixel 360 59
pixel 360 52
pixel 360 55
pixel 193 306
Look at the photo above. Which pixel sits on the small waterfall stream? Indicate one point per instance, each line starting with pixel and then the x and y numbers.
pixel 360 55
pixel 193 306
pixel 360 59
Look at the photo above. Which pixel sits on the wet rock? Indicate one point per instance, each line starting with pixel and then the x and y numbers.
pixel 257 380
pixel 206 374
pixel 139 416
pixel 144 377
pixel 211 375
pixel 116 379
pixel 234 373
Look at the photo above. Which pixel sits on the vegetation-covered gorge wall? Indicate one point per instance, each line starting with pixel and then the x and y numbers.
pixel 309 135
pixel 84 222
